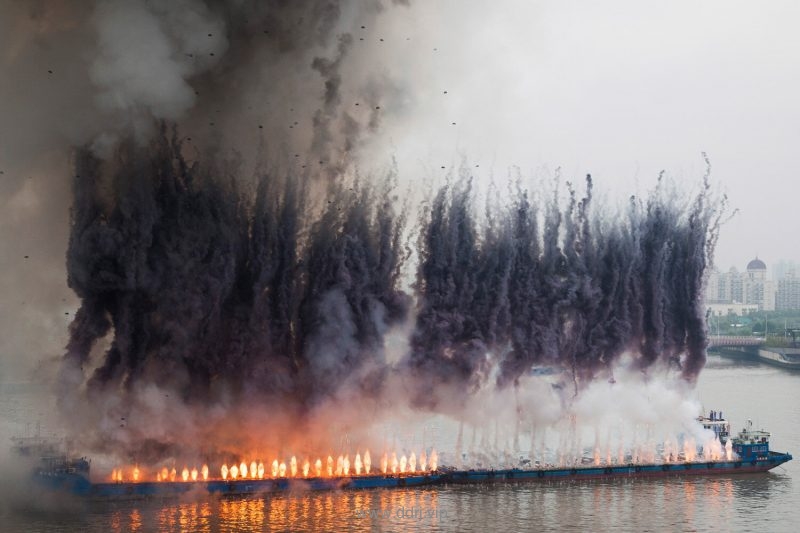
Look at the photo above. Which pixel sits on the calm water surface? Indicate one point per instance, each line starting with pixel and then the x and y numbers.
pixel 754 502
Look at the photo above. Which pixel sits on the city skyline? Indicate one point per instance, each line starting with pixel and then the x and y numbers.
pixel 776 269
pixel 754 289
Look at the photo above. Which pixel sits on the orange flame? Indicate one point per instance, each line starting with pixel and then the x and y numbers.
pixel 357 464
pixel 689 449
pixel 361 464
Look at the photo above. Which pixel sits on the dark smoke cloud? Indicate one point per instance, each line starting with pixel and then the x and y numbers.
pixel 578 293
pixel 209 290
pixel 237 76
pixel 204 287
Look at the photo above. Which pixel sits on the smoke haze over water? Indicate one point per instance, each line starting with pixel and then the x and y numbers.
pixel 235 254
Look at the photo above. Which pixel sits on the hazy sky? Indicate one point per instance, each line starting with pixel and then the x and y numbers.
pixel 620 89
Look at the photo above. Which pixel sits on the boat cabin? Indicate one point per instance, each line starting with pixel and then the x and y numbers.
pixel 751 444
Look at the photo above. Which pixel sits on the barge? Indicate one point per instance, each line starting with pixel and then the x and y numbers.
pixel 750 449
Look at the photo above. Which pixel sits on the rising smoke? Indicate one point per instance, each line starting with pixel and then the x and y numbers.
pixel 225 250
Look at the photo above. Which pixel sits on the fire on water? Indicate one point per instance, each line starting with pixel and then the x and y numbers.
pixel 342 465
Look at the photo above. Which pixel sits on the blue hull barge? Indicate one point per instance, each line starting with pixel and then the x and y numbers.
pixel 751 449
pixel 124 490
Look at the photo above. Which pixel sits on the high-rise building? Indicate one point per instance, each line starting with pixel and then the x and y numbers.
pixel 735 290
pixel 712 286
pixel 756 288
pixel 783 267
pixel 788 295
pixel 750 288
pixel 722 286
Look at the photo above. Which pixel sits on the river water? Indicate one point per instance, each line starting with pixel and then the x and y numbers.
pixel 745 502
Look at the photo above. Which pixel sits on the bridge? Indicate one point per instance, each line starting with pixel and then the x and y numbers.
pixel 715 341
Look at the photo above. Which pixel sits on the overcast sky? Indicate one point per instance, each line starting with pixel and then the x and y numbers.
pixel 619 89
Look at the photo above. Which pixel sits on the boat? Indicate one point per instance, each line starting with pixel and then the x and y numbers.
pixel 780 357
pixel 51 468
pixel 787 358
pixel 751 449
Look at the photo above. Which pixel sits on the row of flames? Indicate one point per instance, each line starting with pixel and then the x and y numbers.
pixel 341 466
pixel 713 450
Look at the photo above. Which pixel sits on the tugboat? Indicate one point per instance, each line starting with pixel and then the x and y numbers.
pixel 51 468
